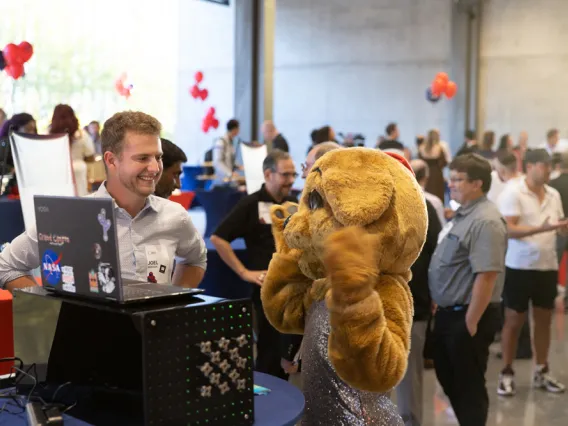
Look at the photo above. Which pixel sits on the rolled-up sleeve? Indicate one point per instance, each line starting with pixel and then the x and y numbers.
pixel 488 245
pixel 191 248
pixel 19 257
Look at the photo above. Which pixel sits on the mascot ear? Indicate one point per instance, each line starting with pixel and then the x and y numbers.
pixel 402 160
pixel 358 197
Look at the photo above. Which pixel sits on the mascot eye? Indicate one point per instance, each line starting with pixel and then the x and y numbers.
pixel 315 200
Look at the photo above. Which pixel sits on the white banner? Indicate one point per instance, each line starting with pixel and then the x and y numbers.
pixel 253 158
pixel 43 167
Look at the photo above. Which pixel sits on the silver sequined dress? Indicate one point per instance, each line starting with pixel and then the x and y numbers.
pixel 330 401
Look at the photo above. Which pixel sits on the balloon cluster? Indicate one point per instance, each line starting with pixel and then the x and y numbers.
pixel 209 120
pixel 122 87
pixel 441 86
pixel 195 91
pixel 13 57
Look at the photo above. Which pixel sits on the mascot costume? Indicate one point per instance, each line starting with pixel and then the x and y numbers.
pixel 340 277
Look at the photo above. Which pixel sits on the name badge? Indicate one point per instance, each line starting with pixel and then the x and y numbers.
pixel 264 213
pixel 158 265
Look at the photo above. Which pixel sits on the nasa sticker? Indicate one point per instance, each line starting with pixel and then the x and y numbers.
pixel 50 266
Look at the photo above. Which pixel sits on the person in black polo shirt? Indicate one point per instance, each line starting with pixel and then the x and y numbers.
pixel 250 220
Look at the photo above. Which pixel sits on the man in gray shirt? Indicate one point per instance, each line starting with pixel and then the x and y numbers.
pixel 466 278
pixel 152 231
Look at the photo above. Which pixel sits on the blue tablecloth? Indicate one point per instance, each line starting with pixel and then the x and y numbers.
pixel 219 279
pixel 11 220
pixel 217 204
pixel 283 406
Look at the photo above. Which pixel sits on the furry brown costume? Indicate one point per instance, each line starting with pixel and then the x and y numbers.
pixel 360 225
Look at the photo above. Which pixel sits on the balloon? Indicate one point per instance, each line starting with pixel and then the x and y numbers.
pixel 205 126
pixel 15 70
pixel 438 87
pixel 194 91
pixel 215 123
pixel 442 76
pixel 451 89
pixel 211 111
pixel 203 94
pixel 198 76
pixel 12 54
pixel 430 96
pixel 26 51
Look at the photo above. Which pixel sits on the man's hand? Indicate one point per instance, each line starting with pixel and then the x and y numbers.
pixel 255 277
pixel 471 326
pixel 288 366
pixel 554 226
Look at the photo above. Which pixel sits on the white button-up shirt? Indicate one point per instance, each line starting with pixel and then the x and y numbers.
pixel 535 252
pixel 150 242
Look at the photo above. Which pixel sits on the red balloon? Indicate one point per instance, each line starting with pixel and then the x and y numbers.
pixel 451 89
pixel 26 51
pixel 438 87
pixel 194 91
pixel 12 54
pixel 15 70
pixel 442 76
pixel 215 123
pixel 204 94
pixel 205 126
pixel 211 111
pixel 198 76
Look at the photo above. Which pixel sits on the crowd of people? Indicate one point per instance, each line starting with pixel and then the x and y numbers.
pixel 485 260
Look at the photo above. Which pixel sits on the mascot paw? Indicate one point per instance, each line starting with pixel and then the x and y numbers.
pixel 280 214
pixel 349 258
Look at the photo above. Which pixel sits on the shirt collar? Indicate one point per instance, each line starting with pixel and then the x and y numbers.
pixel 464 211
pixel 526 190
pixel 102 192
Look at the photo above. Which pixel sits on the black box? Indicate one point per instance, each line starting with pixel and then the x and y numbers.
pixel 185 361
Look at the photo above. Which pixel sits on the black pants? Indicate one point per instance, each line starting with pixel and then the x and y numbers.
pixel 268 342
pixel 461 361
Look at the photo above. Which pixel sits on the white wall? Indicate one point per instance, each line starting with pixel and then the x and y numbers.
pixel 206 43
pixel 524 67
pixel 358 65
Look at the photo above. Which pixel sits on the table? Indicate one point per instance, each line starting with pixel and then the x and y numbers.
pixel 11 220
pixel 283 406
pixel 217 204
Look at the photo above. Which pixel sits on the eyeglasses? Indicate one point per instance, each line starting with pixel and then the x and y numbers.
pixel 457 180
pixel 289 175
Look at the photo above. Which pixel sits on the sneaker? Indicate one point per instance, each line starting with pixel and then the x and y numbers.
pixel 506 385
pixel 543 380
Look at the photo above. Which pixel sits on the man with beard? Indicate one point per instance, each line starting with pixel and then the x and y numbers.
pixel 251 220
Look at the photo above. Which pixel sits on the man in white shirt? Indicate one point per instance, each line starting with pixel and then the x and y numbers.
pixel 152 231
pixel 505 172
pixel 553 142
pixel 422 171
pixel 534 214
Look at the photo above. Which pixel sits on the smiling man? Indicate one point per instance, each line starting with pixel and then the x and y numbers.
pixel 173 159
pixel 150 230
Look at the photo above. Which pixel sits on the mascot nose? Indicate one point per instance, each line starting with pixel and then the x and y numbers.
pixel 287 220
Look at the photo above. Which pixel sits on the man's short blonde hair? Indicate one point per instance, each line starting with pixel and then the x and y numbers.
pixel 115 128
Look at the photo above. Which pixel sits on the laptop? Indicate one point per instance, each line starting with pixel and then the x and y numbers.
pixel 78 249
